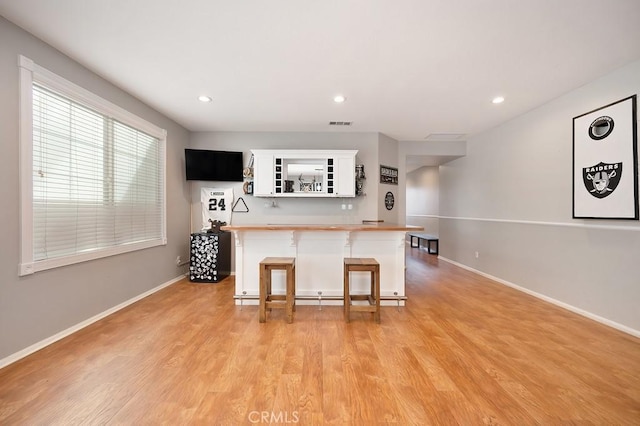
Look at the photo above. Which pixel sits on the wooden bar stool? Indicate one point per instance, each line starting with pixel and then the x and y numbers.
pixel 279 301
pixel 367 264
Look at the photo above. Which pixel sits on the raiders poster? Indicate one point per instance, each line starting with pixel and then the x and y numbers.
pixel 605 162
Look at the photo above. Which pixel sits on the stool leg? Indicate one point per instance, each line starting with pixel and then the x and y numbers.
pixel 268 279
pixel 263 293
pixel 293 277
pixel 347 296
pixel 376 315
pixel 289 297
pixel 373 284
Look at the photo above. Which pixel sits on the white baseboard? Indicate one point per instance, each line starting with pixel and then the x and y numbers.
pixel 564 305
pixel 64 333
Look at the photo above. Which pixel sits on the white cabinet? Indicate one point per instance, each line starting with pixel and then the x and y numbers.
pixel 263 174
pixel 345 169
pixel 304 173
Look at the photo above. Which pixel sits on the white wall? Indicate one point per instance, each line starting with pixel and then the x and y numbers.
pixel 35 307
pixel 423 198
pixel 292 210
pixel 510 199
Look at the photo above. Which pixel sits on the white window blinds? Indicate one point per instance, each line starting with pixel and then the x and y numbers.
pixel 97 183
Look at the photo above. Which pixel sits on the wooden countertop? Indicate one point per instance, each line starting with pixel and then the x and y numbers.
pixel 326 227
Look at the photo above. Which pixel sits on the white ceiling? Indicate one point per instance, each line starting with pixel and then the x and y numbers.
pixel 409 68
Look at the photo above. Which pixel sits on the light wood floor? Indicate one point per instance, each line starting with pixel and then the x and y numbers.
pixel 464 351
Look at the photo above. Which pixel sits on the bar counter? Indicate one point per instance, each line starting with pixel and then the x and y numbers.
pixel 367 227
pixel 319 250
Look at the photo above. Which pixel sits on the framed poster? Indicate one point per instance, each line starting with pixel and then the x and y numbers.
pixel 605 162
pixel 388 174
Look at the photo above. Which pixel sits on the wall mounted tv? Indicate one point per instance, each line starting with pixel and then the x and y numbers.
pixel 213 165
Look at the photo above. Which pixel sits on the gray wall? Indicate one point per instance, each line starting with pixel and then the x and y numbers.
pixel 38 306
pixel 388 156
pixel 293 210
pixel 423 198
pixel 510 199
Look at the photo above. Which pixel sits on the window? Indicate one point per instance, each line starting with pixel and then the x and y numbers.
pixel 92 175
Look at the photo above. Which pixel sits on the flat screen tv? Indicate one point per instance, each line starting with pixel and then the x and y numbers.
pixel 213 165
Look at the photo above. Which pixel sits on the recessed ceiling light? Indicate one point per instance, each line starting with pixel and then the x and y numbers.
pixel 498 100
pixel 204 98
pixel 339 99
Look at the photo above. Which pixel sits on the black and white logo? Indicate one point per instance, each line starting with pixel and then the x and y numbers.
pixel 601 127
pixel 389 200
pixel 602 179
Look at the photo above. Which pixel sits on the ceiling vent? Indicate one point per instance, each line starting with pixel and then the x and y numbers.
pixel 445 137
pixel 340 123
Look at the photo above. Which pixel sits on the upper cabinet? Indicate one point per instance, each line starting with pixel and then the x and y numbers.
pixel 263 174
pixel 304 173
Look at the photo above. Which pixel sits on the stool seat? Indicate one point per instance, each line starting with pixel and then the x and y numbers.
pixel 268 300
pixel 362 264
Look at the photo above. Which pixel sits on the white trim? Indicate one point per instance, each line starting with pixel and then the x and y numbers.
pixel 537 223
pixel 25 164
pixel 42 265
pixel 79 94
pixel 163 158
pixel 64 333
pixel 564 305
